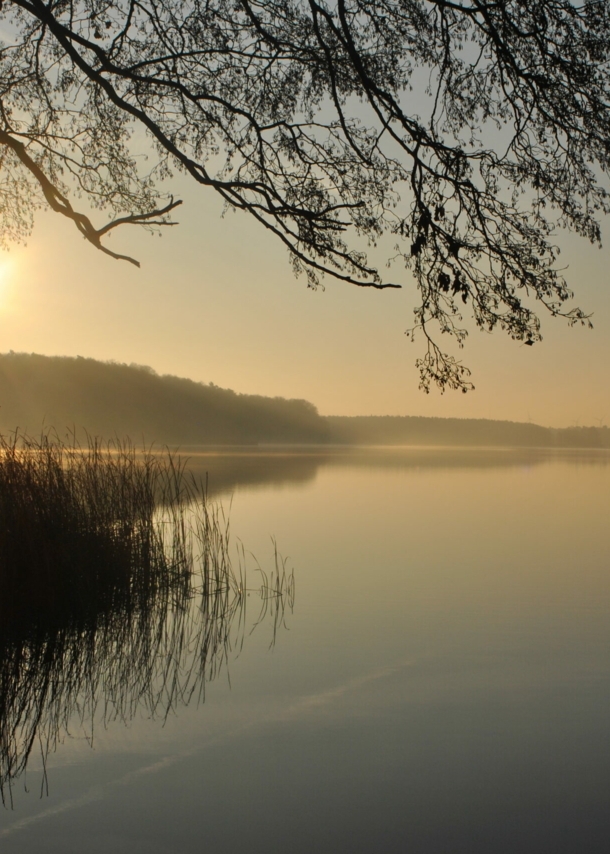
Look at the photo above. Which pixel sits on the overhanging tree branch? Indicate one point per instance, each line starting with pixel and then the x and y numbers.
pixel 301 114
pixel 60 204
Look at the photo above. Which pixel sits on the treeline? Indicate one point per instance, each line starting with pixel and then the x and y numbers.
pixel 413 430
pixel 108 399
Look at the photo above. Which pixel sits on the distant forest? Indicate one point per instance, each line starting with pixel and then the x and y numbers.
pixel 412 430
pixel 108 399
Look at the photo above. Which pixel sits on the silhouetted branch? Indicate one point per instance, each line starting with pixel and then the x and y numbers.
pixel 60 204
pixel 300 113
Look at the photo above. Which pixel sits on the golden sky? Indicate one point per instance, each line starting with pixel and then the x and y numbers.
pixel 216 300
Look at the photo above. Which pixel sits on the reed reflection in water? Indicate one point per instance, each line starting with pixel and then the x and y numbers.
pixel 118 594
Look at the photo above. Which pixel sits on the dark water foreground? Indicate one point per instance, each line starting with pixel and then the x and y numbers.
pixel 442 686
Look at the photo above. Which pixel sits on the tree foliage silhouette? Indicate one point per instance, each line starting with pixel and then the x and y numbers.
pixel 468 132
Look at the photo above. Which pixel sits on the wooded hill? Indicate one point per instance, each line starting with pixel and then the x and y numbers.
pixel 109 399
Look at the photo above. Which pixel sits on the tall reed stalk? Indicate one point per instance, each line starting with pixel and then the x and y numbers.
pixel 117 591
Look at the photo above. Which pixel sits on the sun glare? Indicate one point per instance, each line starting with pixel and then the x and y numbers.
pixel 7 266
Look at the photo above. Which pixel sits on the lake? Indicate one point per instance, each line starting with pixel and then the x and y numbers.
pixel 441 684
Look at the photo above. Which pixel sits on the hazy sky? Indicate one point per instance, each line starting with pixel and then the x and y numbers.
pixel 216 300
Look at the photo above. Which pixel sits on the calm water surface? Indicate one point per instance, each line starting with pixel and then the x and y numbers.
pixel 443 684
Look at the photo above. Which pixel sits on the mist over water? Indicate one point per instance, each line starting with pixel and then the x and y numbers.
pixel 84 397
pixel 442 684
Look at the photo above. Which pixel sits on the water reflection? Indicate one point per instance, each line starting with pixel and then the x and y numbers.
pixel 260 467
pixel 444 686
pixel 129 603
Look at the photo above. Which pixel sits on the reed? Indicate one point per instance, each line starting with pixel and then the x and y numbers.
pixel 76 523
pixel 117 591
